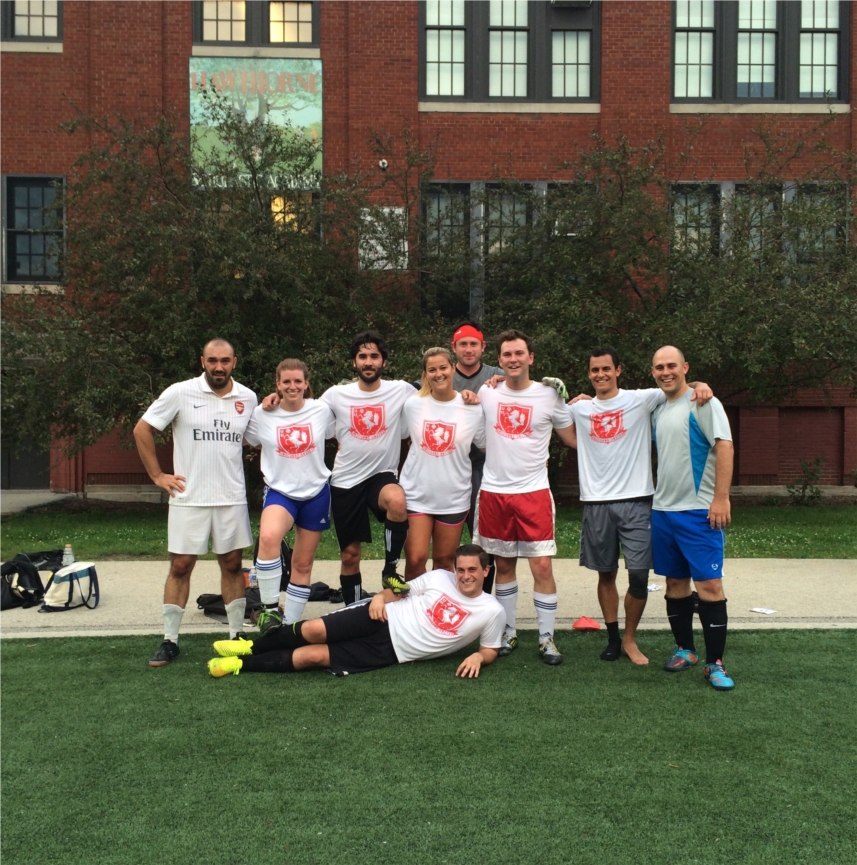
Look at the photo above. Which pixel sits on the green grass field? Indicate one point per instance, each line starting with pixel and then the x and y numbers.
pixel 106 760
pixel 824 532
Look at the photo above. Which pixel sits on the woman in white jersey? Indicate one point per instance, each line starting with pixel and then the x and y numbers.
pixel 436 476
pixel 297 491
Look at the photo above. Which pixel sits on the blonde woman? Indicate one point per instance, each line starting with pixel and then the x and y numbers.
pixel 436 476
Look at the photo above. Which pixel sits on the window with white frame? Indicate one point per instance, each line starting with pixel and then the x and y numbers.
pixel 760 50
pixel 32 20
pixel 518 50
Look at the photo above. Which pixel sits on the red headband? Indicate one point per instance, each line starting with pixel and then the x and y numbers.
pixel 467 330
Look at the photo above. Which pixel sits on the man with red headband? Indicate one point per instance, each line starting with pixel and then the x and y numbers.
pixel 468 344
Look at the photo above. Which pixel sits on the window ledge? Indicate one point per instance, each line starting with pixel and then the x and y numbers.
pixel 758 108
pixel 30 288
pixel 254 51
pixel 31 47
pixel 511 107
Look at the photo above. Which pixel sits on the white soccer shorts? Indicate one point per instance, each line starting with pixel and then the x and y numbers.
pixel 190 528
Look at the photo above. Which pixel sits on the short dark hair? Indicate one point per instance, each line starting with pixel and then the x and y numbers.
pixel 471 550
pixel 601 351
pixel 510 335
pixel 220 340
pixel 368 337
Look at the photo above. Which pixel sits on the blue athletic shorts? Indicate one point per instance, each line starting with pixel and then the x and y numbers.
pixel 312 514
pixel 684 545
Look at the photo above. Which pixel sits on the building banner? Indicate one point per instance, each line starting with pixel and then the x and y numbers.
pixel 287 91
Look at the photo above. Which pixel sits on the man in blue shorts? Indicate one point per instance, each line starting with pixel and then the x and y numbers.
pixel 689 513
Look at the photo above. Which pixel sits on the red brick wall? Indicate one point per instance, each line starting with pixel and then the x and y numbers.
pixel 131 57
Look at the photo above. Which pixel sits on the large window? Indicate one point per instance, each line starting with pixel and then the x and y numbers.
pixel 760 51
pixel 33 223
pixel 509 50
pixel 32 20
pixel 253 22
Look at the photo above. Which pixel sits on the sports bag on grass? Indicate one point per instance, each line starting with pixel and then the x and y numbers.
pixel 21 585
pixel 75 585
pixel 213 607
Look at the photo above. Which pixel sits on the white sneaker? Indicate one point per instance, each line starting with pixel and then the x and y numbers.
pixel 508 644
pixel 550 653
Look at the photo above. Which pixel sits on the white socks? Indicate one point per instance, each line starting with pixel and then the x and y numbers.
pixel 235 616
pixel 296 598
pixel 172 621
pixel 545 614
pixel 269 573
pixel 507 595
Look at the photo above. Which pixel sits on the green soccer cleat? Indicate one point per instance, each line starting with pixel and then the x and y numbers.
pixel 557 384
pixel 268 620
pixel 233 648
pixel 395 583
pixel 218 667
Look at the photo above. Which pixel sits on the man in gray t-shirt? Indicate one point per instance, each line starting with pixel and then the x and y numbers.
pixel 468 344
pixel 689 512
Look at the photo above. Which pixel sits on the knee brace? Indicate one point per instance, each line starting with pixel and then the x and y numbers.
pixel 638 584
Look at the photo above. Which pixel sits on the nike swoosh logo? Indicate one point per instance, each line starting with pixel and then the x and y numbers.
pixel 717 626
pixel 200 405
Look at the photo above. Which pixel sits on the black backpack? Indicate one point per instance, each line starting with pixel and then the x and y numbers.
pixel 20 582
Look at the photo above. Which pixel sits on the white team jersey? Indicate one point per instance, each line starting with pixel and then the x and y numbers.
pixel 614 445
pixel 208 431
pixel 293 447
pixel 435 619
pixel 518 425
pixel 685 434
pixel 368 429
pixel 436 476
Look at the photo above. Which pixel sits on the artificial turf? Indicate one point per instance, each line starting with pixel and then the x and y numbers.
pixel 106 760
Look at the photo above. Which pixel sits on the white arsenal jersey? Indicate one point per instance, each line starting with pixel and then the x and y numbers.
pixel 208 431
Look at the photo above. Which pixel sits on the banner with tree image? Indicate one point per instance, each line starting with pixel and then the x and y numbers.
pixel 283 91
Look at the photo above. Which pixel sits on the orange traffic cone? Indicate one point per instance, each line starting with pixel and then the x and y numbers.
pixel 584 623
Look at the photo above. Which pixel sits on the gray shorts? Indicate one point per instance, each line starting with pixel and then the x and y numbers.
pixel 609 524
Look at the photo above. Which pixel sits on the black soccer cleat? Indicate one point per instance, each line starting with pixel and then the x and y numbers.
pixel 395 583
pixel 167 652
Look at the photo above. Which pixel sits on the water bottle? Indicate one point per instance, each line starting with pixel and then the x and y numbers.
pixel 254 582
pixel 67 555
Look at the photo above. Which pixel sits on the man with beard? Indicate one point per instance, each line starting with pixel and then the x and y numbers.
pixel 207 492
pixel 365 472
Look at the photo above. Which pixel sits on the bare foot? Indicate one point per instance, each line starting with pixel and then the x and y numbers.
pixel 634 654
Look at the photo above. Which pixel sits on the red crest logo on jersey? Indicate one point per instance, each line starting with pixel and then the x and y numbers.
pixel 513 421
pixel 294 441
pixel 438 438
pixel 367 421
pixel 447 616
pixel 239 407
pixel 607 426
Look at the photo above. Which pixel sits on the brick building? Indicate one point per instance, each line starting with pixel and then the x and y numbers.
pixel 511 84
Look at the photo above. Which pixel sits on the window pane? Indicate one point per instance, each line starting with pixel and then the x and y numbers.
pixel 50 26
pixel 209 30
pixel 36 26
pixel 821 14
pixel 238 31
pixel 304 32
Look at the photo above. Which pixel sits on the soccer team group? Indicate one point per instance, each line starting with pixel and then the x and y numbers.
pixel 479 439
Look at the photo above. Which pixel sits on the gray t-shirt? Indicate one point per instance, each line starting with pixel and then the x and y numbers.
pixel 473 382
pixel 685 434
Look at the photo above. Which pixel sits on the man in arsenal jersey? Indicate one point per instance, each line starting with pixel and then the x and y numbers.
pixel 442 613
pixel 209 415
pixel 516 514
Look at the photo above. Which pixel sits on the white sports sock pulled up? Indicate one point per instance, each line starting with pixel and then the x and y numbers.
pixel 235 616
pixel 172 621
pixel 507 595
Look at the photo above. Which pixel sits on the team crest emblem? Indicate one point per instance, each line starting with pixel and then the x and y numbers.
pixel 239 407
pixel 447 616
pixel 607 426
pixel 367 421
pixel 438 438
pixel 513 421
pixel 294 441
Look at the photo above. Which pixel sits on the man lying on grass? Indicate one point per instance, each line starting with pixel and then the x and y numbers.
pixel 442 613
